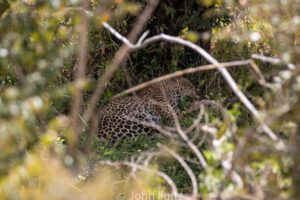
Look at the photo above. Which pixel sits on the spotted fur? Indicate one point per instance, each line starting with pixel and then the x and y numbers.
pixel 126 116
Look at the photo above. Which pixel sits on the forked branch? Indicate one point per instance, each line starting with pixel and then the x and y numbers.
pixel 209 58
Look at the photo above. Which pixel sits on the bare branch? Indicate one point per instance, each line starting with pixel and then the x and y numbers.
pixel 117 34
pixel 224 73
pixel 129 46
pixel 141 167
pixel 196 121
pixel 185 166
pixel 266 59
pixel 216 105
pixel 183 72
pixel 221 69
pixel 79 76
pixel 273 60
pixel 190 143
pixel 151 125
pixel 89 140
pixel 183 135
pixel 119 57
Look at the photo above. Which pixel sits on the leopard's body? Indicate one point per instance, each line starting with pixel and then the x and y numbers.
pixel 128 116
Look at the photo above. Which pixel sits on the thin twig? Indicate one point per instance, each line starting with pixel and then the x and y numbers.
pixel 141 167
pixel 79 76
pixel 185 166
pixel 152 125
pixel 189 142
pixel 90 136
pixel 273 60
pixel 221 69
pixel 120 57
pixel 128 45
pixel 181 73
pixel 180 132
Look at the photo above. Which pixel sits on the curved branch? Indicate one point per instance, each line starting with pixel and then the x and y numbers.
pixel 141 167
pixel 186 167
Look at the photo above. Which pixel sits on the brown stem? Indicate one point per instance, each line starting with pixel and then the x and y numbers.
pixel 119 58
pixel 79 76
pixel 191 71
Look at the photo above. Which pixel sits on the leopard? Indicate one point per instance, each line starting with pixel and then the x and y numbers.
pixel 130 116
